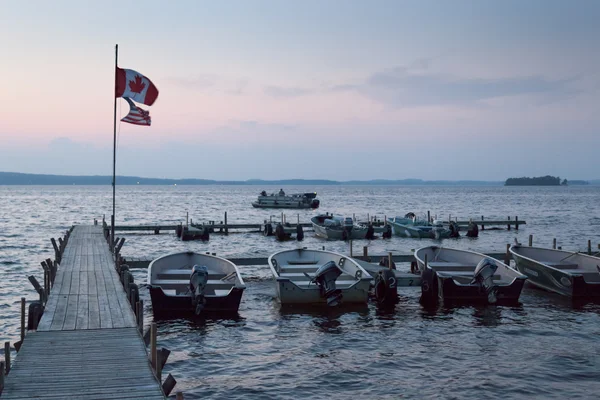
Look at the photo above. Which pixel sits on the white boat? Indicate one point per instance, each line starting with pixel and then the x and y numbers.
pixel 281 200
pixel 565 272
pixel 189 282
pixel 316 277
pixel 467 276
pixel 411 227
pixel 341 228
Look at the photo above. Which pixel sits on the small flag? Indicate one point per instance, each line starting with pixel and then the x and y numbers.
pixel 135 86
pixel 136 115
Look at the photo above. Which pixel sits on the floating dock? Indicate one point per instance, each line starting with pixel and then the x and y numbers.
pixel 87 344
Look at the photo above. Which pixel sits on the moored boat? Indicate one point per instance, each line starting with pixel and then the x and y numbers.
pixel 452 275
pixel 565 272
pixel 318 277
pixel 281 200
pixel 193 283
pixel 411 227
pixel 341 228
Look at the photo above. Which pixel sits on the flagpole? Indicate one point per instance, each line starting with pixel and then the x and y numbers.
pixel 112 222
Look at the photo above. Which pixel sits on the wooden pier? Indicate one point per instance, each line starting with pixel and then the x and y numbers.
pixel 87 344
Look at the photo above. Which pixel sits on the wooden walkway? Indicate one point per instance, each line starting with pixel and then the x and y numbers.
pixel 87 345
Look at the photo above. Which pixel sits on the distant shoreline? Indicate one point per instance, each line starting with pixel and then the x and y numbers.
pixel 16 178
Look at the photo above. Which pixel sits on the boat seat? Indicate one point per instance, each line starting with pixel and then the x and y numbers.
pixel 183 274
pixel 300 276
pixel 462 274
pixel 212 282
pixel 302 262
pixel 560 265
pixel 450 266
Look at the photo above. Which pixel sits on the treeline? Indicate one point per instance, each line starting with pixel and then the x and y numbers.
pixel 537 181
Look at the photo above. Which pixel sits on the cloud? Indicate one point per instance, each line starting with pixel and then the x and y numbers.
pixel 279 91
pixel 202 81
pixel 407 87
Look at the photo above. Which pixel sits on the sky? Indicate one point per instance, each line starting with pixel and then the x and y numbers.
pixel 344 90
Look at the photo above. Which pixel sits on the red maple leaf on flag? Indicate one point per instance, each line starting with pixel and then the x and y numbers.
pixel 138 85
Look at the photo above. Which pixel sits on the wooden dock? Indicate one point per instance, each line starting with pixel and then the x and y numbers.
pixel 87 344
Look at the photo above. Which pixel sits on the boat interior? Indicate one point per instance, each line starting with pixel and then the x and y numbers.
pixel 300 268
pixel 176 282
pixel 565 261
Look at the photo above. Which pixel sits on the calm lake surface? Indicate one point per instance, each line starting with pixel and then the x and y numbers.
pixel 546 347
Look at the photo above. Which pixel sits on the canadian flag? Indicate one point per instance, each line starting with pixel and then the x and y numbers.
pixel 135 86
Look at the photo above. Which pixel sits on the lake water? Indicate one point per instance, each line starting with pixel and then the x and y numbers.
pixel 545 347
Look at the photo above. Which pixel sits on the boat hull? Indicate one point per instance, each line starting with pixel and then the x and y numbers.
pixel 294 269
pixel 299 205
pixel 164 305
pixel 453 271
pixel 567 283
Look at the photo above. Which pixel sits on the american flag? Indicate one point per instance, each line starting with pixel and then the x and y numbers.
pixel 136 115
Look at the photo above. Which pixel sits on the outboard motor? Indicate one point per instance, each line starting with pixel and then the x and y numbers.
pixel 370 235
pixel 387 231
pixel 325 278
pixel 429 288
pixel 386 293
pixel 315 203
pixel 454 230
pixel 472 230
pixel 198 280
pixel 484 277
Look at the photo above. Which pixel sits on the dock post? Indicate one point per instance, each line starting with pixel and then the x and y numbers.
pixel 368 218
pixel 384 220
pixel 226 229
pixel 508 225
pixel 282 218
pixel 7 356
pixel 428 216
pixel 365 252
pixel 158 366
pixel 298 219
pixel 179 396
pixel 1 376
pixel 554 243
pixel 517 223
pixel 589 247
pixel 530 240
pixel 153 344
pixel 140 316
pixel 482 225
pixel 390 262
pixel 22 319
pixel 56 252
pixel 350 247
pixel 507 256
pixel 425 262
pixel 187 216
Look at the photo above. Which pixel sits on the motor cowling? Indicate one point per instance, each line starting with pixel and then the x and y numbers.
pixel 484 277
pixel 198 281
pixel 315 203
pixel 386 293
pixel 454 229
pixel 370 235
pixel 325 278
pixel 472 230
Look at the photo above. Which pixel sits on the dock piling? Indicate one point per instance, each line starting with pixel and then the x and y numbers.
pixel 508 226
pixel 1 376
pixel 350 247
pixel 56 252
pixel 589 247
pixel 482 225
pixel 428 216
pixel 365 252
pixel 530 240
pixel 140 316
pixel 153 344
pixel 516 222
pixel 158 366
pixel 7 357
pixel 226 228
pixel 390 262
pixel 22 318
pixel 554 243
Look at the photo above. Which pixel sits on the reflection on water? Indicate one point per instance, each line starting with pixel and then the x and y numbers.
pixel 545 347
